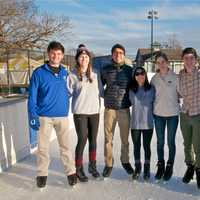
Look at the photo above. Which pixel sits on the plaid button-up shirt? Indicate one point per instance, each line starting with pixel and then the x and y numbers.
pixel 189 90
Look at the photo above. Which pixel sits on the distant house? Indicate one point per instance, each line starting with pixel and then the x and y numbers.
pixel 143 58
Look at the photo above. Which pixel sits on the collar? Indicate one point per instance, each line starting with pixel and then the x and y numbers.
pixel 194 70
pixel 118 65
pixel 169 71
pixel 46 66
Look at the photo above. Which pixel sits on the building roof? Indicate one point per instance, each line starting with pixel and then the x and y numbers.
pixel 172 54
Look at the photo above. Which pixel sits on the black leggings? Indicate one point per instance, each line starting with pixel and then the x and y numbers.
pixel 136 137
pixel 86 128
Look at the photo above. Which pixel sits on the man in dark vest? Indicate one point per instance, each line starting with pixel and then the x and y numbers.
pixel 116 78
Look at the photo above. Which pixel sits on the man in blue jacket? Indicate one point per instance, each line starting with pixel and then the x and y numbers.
pixel 48 108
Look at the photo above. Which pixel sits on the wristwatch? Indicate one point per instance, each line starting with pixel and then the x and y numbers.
pixel 33 122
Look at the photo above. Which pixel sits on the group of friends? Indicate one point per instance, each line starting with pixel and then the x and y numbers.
pixel 154 103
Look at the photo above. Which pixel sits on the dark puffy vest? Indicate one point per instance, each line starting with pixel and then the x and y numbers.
pixel 117 82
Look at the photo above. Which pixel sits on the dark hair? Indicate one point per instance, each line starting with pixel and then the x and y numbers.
pixel 189 50
pixel 82 49
pixel 54 45
pixel 81 45
pixel 160 54
pixel 134 84
pixel 119 46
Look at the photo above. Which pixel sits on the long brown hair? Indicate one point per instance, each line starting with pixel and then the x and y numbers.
pixel 83 50
pixel 88 72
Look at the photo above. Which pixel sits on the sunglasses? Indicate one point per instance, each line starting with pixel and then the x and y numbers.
pixel 139 73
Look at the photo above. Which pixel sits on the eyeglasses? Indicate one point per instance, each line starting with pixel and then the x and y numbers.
pixel 118 52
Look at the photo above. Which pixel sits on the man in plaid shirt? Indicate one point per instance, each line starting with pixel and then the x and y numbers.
pixel 189 90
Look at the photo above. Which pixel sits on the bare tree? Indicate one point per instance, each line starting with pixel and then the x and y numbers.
pixel 22 26
pixel 173 42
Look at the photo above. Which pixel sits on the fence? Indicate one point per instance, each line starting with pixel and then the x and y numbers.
pixel 17 65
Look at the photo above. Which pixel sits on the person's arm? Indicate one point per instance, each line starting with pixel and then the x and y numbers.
pixel 102 82
pixel 70 84
pixel 178 86
pixel 131 97
pixel 153 93
pixel 152 81
pixel 32 102
pixel 153 97
pixel 100 85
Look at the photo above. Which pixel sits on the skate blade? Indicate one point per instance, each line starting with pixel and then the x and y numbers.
pixel 73 187
pixel 83 182
pixel 146 180
pixel 97 178
pixel 165 182
pixel 104 178
pixel 136 177
pixel 158 181
pixel 131 178
pixel 41 189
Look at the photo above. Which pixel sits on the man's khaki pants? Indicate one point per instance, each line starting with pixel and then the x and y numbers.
pixel 111 116
pixel 61 126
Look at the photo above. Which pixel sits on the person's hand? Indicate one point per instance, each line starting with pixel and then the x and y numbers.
pixel 34 122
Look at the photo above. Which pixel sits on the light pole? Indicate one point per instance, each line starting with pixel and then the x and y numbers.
pixel 152 14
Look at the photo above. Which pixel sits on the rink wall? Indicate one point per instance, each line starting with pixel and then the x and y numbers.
pixel 14 131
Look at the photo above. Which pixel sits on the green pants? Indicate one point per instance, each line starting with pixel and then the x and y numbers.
pixel 190 127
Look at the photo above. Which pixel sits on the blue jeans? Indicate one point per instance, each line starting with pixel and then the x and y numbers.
pixel 160 124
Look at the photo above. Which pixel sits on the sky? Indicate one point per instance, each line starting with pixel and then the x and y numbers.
pixel 99 24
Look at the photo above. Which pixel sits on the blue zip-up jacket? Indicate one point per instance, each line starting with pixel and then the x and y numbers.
pixel 48 93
